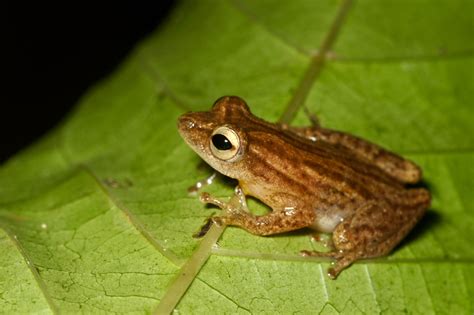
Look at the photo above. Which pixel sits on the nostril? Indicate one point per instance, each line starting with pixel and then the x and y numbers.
pixel 186 122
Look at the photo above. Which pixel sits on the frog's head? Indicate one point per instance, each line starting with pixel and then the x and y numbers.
pixel 218 135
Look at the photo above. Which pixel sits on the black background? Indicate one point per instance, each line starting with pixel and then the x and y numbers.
pixel 54 52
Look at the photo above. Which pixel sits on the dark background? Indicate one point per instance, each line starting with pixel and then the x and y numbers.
pixel 54 52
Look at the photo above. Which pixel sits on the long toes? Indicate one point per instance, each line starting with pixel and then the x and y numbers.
pixel 207 198
pixel 219 221
pixel 339 266
pixel 313 253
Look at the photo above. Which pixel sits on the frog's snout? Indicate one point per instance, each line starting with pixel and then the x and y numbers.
pixel 186 122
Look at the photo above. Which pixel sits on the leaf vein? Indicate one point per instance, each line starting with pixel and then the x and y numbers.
pixel 242 9
pixel 224 295
pixel 136 223
pixel 316 65
pixel 371 286
pixel 397 59
pixel 32 268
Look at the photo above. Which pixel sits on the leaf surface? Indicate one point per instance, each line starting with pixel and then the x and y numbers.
pixel 95 217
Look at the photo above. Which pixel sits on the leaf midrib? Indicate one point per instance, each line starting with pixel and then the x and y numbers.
pixel 224 252
pixel 311 75
pixel 189 271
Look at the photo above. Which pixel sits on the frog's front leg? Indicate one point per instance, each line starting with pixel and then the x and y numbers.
pixel 277 221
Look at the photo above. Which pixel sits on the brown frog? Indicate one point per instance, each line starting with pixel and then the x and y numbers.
pixel 311 177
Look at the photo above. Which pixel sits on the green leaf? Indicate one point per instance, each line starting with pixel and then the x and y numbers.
pixel 95 217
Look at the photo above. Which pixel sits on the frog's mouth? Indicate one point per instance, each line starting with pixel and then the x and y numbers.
pixel 194 132
pixel 196 129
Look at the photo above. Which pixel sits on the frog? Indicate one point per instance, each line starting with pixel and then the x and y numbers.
pixel 362 195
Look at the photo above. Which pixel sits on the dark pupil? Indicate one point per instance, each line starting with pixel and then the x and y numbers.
pixel 221 142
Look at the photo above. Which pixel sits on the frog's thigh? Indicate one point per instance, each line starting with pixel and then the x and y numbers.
pixel 363 235
pixel 389 162
pixel 370 232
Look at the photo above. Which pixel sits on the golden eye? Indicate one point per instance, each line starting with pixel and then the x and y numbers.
pixel 225 143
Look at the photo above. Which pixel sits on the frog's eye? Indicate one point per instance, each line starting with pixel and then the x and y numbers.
pixel 225 143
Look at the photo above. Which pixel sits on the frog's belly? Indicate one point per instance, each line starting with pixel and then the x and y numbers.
pixel 327 220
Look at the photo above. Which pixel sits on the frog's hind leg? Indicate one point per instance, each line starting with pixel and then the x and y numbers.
pixel 323 238
pixel 341 263
pixel 372 231
pixel 394 165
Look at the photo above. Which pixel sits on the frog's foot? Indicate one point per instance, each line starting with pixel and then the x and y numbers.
pixel 235 210
pixel 207 198
pixel 235 204
pixel 313 253
pixel 343 260
pixel 323 239
pixel 340 264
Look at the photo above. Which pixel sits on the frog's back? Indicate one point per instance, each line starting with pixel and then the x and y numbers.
pixel 322 171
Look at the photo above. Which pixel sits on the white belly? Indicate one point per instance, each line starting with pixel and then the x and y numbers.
pixel 326 221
